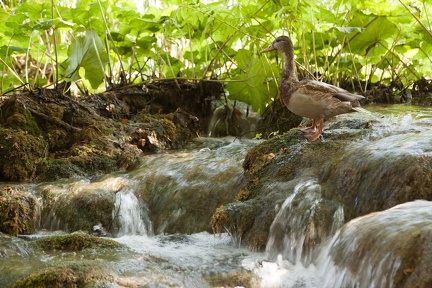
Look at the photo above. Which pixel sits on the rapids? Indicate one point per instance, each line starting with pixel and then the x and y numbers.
pixel 162 208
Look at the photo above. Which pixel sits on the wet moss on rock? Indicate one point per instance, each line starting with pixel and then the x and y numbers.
pixel 17 209
pixel 233 279
pixel 96 135
pixel 70 274
pixel 76 242
pixel 78 211
pixel 20 154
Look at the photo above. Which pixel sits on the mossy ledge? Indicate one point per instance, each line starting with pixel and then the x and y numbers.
pixel 76 242
pixel 86 273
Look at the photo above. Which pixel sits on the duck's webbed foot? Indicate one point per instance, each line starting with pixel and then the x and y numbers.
pixel 310 129
pixel 315 135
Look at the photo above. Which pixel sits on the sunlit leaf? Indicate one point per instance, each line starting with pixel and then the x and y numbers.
pixel 376 31
pixel 251 82
pixel 87 52
pixel 4 15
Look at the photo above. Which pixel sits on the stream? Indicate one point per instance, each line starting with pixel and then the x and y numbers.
pixel 169 236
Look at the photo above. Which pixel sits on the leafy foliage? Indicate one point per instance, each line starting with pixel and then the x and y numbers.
pixel 116 42
pixel 87 53
pixel 248 85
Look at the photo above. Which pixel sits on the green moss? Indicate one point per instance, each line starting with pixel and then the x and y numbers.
pixel 16 116
pixel 86 208
pixel 54 169
pixel 16 211
pixel 76 242
pixel 167 132
pixel 234 279
pixel 236 218
pixel 20 154
pixel 71 274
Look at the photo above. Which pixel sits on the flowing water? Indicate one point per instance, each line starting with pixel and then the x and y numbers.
pixel 361 253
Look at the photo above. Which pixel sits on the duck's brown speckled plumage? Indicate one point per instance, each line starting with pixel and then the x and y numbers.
pixel 310 98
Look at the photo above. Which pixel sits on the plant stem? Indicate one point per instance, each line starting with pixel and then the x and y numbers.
pixel 416 18
pixel 55 47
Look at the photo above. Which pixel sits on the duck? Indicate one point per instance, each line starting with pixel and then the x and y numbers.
pixel 311 98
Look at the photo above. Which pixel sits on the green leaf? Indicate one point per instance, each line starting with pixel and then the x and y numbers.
pixel 4 15
pixel 87 52
pixel 139 24
pixel 7 50
pixel 251 87
pixel 376 31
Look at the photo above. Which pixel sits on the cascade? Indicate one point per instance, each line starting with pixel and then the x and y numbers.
pixel 297 224
pixel 287 233
pixel 308 246
pixel 375 250
pixel 128 217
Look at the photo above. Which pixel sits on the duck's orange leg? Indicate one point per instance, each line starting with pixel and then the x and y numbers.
pixel 315 136
pixel 311 128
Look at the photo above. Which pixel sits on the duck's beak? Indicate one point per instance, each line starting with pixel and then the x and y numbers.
pixel 270 48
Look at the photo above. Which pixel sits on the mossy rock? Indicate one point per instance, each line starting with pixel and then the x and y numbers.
pixel 61 137
pixel 158 132
pixel 16 211
pixel 233 279
pixel 87 160
pixel 20 154
pixel 77 211
pixel 70 274
pixel 54 169
pixel 15 115
pixel 76 242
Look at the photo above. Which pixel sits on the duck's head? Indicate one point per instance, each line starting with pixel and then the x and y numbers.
pixel 280 43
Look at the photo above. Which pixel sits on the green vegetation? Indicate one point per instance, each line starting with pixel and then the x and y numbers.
pixel 83 273
pixel 104 44
pixel 16 211
pixel 76 242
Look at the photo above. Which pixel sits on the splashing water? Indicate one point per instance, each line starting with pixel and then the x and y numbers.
pixel 368 251
pixel 288 230
pixel 365 252
pixel 128 215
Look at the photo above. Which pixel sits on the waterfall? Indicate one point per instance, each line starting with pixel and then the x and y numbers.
pixel 103 207
pixel 375 250
pixel 128 217
pixel 298 224
pixel 287 234
pixel 179 192
pixel 382 249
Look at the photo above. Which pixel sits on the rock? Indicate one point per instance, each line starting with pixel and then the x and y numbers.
pixel 369 167
pixel 17 209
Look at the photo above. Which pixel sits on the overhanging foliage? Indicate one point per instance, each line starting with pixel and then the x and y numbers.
pixel 115 42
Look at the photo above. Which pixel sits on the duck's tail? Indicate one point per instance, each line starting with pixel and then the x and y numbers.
pixel 362 110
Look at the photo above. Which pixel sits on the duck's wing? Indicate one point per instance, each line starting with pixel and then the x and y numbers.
pixel 337 100
pixel 328 90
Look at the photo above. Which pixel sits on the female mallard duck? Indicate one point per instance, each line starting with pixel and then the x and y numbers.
pixel 310 98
